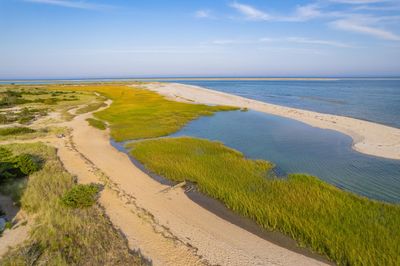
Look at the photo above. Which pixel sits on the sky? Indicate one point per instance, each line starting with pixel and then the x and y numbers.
pixel 208 38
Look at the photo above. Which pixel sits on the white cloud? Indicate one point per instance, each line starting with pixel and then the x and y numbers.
pixel 250 12
pixel 307 12
pixel 318 42
pixel 70 4
pixel 355 2
pixel 359 27
pixel 203 14
pixel 300 40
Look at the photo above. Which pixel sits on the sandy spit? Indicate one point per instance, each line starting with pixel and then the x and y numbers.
pixel 167 226
pixel 162 223
pixel 368 137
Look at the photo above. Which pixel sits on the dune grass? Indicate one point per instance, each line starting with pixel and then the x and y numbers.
pixel 61 235
pixel 138 113
pixel 348 229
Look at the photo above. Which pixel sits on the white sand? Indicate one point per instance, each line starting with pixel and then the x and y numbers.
pixel 369 138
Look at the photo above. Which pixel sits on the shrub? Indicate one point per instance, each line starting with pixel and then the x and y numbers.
pixel 16 166
pixel 27 164
pixel 81 196
pixel 15 131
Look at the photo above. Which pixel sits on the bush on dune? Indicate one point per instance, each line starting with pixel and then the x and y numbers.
pixel 63 235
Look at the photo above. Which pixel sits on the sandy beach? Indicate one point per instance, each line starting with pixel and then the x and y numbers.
pixel 165 224
pixel 369 138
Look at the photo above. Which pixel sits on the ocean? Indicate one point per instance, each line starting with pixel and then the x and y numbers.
pixel 376 100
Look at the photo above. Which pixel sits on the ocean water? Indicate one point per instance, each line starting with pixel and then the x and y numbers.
pixel 368 99
pixel 296 147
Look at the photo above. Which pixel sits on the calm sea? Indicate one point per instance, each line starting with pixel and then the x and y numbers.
pixel 373 100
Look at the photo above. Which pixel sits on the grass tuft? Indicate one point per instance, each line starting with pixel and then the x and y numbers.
pixel 81 196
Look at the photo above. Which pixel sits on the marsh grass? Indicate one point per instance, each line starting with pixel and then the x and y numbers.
pixel 15 131
pixel 349 229
pixel 90 107
pixel 138 113
pixel 61 235
pixel 97 123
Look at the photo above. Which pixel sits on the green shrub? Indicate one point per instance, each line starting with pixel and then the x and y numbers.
pixel 27 163
pixel 15 131
pixel 16 166
pixel 81 196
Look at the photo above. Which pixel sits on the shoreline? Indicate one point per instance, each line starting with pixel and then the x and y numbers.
pixel 219 209
pixel 368 137
pixel 175 229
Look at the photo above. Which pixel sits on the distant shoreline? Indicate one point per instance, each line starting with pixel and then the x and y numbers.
pixel 368 137
pixel 67 80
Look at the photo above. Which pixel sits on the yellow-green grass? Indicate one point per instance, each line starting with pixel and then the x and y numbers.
pixel 138 113
pixel 349 229
pixel 40 94
pixel 97 123
pixel 61 235
pixel 90 107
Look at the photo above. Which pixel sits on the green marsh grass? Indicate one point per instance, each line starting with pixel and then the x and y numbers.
pixel 90 107
pixel 348 229
pixel 97 123
pixel 61 235
pixel 138 113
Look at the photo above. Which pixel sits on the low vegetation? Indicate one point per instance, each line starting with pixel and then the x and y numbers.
pixel 138 113
pixel 63 235
pixel 90 107
pixel 349 229
pixel 7 131
pixel 97 123
pixel 13 172
pixel 81 196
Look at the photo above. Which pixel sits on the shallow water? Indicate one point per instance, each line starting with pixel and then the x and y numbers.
pixel 296 147
pixel 376 100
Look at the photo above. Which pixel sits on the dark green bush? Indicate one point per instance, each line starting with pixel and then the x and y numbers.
pixel 81 196
pixel 27 163
pixel 16 166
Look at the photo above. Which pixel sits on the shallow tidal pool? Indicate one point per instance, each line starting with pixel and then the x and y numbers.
pixel 296 147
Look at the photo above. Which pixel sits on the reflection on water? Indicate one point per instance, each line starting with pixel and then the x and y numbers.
pixel 296 147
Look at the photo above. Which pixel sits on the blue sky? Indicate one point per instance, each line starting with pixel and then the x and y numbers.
pixel 75 39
